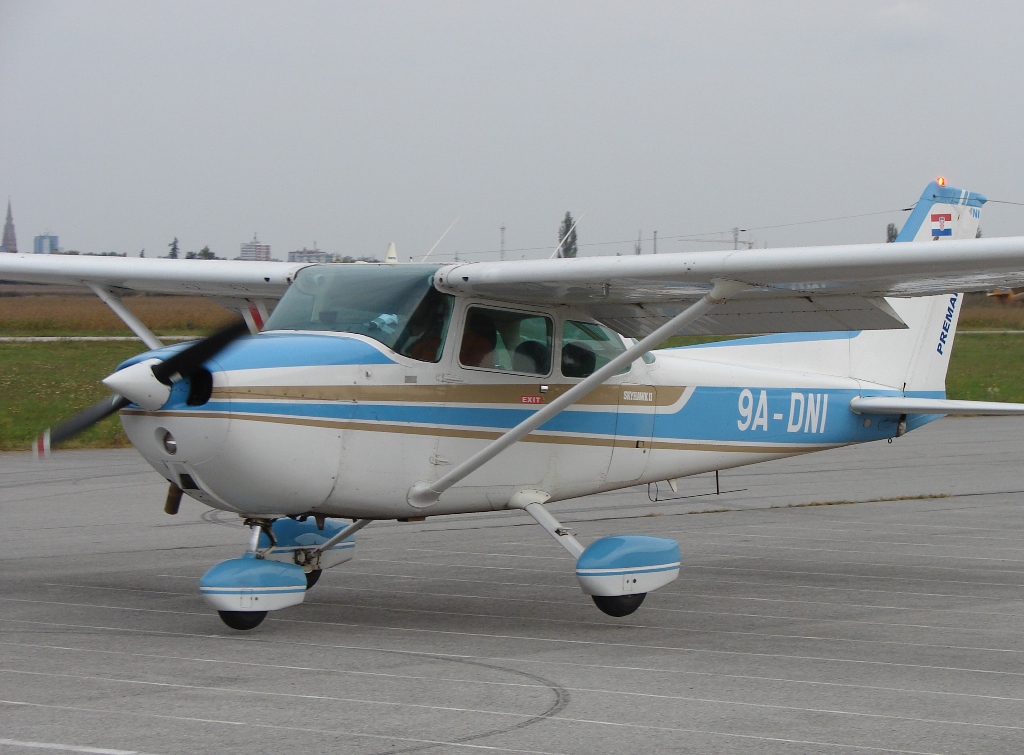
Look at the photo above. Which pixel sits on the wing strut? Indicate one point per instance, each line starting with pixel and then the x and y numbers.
pixel 424 494
pixel 127 316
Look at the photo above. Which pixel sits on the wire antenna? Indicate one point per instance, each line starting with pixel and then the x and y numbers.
pixel 440 239
pixel 567 234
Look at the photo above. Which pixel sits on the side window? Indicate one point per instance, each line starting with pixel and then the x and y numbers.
pixel 587 347
pixel 513 341
pixel 423 336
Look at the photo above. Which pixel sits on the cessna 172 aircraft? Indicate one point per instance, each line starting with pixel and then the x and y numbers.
pixel 505 385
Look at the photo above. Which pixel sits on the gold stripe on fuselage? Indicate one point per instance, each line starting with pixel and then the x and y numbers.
pixel 499 393
pixel 534 437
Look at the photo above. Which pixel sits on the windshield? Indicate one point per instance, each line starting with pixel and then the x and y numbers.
pixel 394 304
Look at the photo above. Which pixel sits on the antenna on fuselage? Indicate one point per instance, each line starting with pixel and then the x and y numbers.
pixel 442 237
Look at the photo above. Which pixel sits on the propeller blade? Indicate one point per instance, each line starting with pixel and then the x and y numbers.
pixel 178 366
pixel 185 362
pixel 79 423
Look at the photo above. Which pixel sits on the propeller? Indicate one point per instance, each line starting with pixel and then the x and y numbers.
pixel 147 383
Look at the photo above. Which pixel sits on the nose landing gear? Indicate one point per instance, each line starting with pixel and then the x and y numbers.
pixel 284 559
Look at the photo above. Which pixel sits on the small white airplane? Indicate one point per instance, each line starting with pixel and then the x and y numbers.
pixel 387 391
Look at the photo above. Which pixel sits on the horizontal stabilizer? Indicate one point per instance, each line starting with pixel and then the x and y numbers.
pixel 901 405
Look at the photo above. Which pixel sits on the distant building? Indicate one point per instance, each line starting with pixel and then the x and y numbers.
pixel 254 251
pixel 10 242
pixel 46 244
pixel 309 255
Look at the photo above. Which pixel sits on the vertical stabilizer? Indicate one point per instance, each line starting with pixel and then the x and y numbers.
pixel 915 360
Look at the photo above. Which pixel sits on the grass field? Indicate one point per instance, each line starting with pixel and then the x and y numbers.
pixel 41 383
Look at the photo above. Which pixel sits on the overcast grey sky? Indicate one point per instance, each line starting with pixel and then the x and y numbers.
pixel 124 124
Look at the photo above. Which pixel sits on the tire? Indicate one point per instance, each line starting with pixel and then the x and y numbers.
pixel 619 605
pixel 312 577
pixel 242 620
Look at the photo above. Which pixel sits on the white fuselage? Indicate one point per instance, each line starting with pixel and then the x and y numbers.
pixel 337 424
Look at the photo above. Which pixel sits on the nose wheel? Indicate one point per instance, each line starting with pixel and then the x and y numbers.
pixel 242 620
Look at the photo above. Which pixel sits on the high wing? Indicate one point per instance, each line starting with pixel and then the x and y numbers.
pixel 215 278
pixel 249 288
pixel 798 289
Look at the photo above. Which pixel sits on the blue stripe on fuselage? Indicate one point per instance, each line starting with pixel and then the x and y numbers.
pixel 781 415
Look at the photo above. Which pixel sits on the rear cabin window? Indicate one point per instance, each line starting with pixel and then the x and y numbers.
pixel 587 347
pixel 495 339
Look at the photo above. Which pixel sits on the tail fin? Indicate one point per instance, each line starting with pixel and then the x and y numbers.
pixel 915 360
pixel 943 212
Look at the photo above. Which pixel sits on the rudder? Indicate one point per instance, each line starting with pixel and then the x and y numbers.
pixel 915 360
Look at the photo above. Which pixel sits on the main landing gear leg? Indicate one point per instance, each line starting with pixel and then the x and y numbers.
pixel 616 571
pixel 532 502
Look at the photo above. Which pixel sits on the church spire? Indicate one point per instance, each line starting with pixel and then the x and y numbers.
pixel 10 243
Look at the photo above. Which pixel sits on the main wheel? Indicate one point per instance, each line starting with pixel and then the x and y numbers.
pixel 242 620
pixel 312 577
pixel 619 605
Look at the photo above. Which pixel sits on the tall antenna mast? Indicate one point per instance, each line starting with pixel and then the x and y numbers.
pixel 502 250
pixel 655 242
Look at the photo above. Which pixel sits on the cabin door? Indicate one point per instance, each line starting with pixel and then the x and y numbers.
pixel 634 430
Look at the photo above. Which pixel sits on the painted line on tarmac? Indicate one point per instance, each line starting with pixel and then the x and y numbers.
pixel 910 543
pixel 533 600
pixel 463 680
pixel 353 733
pixel 302 729
pixel 507 713
pixel 879 552
pixel 363 649
pixel 702 612
pixel 846 575
pixel 66 748
pixel 540 639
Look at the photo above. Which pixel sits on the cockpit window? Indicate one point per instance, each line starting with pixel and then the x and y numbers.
pixel 394 304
